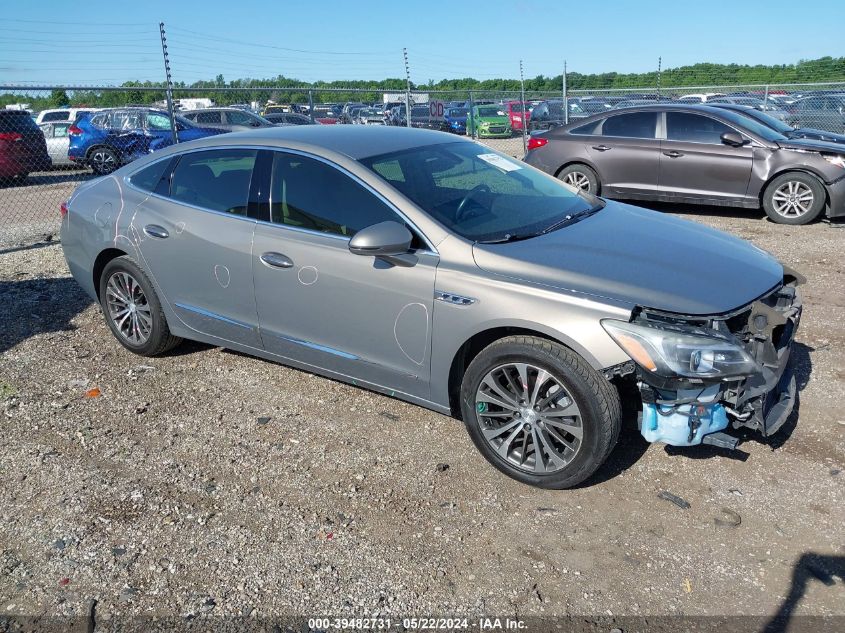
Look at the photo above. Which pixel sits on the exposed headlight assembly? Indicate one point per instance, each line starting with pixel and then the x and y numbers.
pixel 835 159
pixel 672 352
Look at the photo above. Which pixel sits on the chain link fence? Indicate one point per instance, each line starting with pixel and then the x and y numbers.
pixel 45 152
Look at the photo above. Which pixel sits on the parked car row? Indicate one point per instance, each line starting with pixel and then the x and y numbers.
pixel 721 154
pixel 821 110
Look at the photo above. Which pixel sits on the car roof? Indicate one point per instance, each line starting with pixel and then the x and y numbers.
pixel 214 109
pixel 702 108
pixel 354 141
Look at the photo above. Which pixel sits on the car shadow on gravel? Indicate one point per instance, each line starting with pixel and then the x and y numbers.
pixel 38 306
pixel 681 209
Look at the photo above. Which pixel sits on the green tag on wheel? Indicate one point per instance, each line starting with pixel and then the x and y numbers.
pixel 481 407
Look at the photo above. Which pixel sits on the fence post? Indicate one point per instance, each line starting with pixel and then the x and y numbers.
pixel 522 107
pixel 659 68
pixel 174 135
pixel 565 97
pixel 311 105
pixel 766 96
pixel 407 89
pixel 471 118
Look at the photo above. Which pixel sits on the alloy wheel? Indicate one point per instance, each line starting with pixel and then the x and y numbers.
pixel 103 161
pixel 793 199
pixel 128 308
pixel 529 418
pixel 578 180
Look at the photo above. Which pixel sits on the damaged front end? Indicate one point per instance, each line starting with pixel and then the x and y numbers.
pixel 697 375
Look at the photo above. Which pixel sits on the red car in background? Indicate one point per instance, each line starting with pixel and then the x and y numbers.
pixel 22 146
pixel 514 110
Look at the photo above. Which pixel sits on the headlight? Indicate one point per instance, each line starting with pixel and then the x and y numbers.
pixel 835 159
pixel 681 351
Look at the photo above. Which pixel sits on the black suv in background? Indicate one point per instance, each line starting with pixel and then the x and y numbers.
pixel 549 114
pixel 22 146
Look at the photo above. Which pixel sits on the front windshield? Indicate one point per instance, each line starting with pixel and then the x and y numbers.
pixel 368 112
pixel 490 111
pixel 753 125
pixel 479 194
pixel 457 112
pixel 772 122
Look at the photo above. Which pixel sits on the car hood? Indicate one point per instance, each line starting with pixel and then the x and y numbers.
pixel 492 119
pixel 811 145
pixel 818 135
pixel 640 257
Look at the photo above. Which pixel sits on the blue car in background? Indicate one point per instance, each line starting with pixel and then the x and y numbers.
pixel 108 139
pixel 456 119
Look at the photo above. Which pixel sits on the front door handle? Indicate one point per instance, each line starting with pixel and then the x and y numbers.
pixel 602 148
pixel 277 260
pixel 673 154
pixel 156 231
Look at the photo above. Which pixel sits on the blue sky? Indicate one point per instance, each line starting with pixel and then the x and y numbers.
pixel 108 41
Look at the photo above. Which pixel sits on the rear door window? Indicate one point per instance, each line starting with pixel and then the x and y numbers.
pixel 149 177
pixel 215 179
pixel 694 128
pixel 633 125
pixel 56 116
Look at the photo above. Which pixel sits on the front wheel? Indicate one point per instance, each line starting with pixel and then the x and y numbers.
pixel 132 309
pixel 794 198
pixel 538 412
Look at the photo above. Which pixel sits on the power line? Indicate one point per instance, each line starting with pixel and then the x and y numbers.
pixel 217 38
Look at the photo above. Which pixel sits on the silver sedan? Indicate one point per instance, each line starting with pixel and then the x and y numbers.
pixel 437 271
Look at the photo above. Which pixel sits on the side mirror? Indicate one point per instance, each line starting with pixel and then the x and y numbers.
pixel 732 138
pixel 383 239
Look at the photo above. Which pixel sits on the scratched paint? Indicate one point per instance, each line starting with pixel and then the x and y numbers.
pixel 410 331
pixel 308 275
pixel 222 275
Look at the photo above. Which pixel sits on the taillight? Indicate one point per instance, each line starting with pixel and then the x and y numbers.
pixel 74 131
pixel 11 136
pixel 537 141
pixel 63 208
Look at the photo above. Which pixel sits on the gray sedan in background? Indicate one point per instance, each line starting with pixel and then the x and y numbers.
pixel 435 270
pixel 696 154
pixel 231 119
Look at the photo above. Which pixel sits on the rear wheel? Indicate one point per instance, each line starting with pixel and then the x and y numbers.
pixel 132 309
pixel 794 198
pixel 581 177
pixel 103 160
pixel 538 412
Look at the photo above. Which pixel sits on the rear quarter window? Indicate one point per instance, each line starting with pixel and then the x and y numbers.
pixel 148 178
pixel 589 128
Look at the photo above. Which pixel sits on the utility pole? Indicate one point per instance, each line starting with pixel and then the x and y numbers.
pixel 407 89
pixel 169 86
pixel 522 102
pixel 565 97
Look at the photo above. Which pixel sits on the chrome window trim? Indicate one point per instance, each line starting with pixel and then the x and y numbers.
pixel 431 250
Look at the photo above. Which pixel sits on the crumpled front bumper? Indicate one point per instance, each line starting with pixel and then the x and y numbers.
pixel 690 414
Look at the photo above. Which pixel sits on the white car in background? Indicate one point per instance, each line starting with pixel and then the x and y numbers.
pixel 61 114
pixel 58 141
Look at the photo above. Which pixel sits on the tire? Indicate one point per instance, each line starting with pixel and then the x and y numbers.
pixel 103 160
pixel 151 336
pixel 581 177
pixel 794 198
pixel 508 439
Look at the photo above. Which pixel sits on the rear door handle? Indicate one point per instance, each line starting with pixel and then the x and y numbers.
pixel 673 154
pixel 277 260
pixel 156 231
pixel 601 148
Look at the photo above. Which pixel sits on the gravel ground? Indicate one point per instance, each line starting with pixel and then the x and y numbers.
pixel 209 483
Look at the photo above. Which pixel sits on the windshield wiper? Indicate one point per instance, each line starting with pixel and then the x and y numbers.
pixel 508 237
pixel 572 219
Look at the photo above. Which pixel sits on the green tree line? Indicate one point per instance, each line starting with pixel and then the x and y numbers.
pixel 279 89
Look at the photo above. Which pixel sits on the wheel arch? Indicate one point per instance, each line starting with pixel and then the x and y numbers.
pixel 471 347
pixel 100 263
pixel 586 163
pixel 788 170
